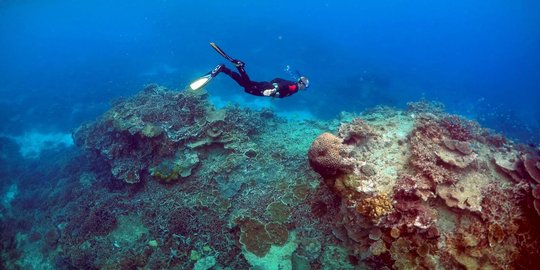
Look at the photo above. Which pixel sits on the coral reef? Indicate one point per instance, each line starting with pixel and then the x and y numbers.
pixel 166 181
pixel 423 189
pixel 157 133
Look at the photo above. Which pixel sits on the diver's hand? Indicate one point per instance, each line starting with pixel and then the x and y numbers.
pixel 269 92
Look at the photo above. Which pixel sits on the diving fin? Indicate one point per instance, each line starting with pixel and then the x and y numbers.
pixel 200 82
pixel 220 51
pixel 204 80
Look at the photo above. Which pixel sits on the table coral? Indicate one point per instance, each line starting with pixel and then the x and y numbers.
pixel 532 166
pixel 258 237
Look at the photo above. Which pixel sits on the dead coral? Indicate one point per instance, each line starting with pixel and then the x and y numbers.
pixel 356 132
pixel 456 159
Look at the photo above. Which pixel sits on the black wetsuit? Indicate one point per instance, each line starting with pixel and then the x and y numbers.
pixel 285 88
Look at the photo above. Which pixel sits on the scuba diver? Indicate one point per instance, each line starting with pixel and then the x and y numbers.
pixel 275 88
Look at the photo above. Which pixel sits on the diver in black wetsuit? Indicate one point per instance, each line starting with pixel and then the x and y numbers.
pixel 275 88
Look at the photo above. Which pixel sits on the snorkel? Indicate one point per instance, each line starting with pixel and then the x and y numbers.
pixel 302 81
pixel 288 70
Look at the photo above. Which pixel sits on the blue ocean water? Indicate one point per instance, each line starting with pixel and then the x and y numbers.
pixel 61 61
pixel 165 182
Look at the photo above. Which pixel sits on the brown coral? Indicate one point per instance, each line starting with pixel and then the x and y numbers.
pixel 254 237
pixel 278 211
pixel 376 206
pixel 257 237
pixel 327 156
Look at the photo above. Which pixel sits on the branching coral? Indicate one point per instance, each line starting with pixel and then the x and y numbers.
pixel 410 211
pixel 424 145
pixel 459 128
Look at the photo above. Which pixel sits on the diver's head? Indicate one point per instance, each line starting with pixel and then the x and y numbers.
pixel 302 82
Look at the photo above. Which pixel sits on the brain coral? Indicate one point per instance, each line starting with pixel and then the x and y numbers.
pixel 327 156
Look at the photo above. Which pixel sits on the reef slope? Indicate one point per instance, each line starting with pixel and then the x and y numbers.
pixel 165 180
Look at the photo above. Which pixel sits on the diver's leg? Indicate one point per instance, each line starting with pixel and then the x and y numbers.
pixel 243 72
pixel 235 76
